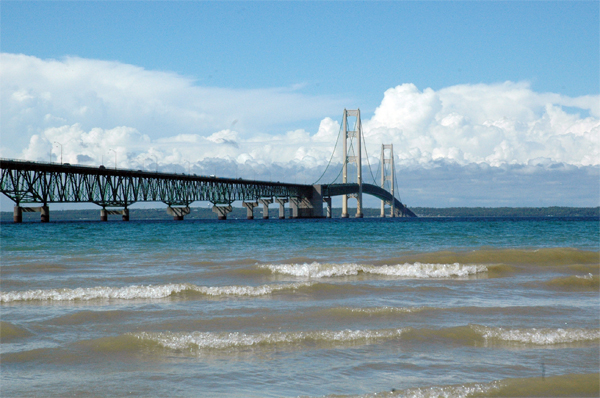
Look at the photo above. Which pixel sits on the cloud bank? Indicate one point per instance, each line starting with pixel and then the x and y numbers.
pixel 496 124
pixel 100 112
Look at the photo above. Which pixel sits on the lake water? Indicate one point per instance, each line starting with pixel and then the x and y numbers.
pixel 287 308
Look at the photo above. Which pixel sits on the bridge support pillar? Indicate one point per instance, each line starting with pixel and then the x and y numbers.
pixel 294 205
pixel 45 214
pixel 265 203
pixel 18 215
pixel 250 209
pixel 178 212
pixel 308 207
pixel 328 201
pixel 282 202
pixel 359 213
pixel 222 211
pixel 104 213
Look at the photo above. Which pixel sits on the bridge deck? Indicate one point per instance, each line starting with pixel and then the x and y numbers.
pixel 44 183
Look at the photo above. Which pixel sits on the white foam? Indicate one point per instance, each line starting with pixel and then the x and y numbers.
pixel 386 310
pixel 417 270
pixel 142 292
pixel 588 276
pixel 458 391
pixel 545 336
pixel 208 340
pixel 248 290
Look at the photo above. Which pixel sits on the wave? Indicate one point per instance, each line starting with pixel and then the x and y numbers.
pixel 359 313
pixel 143 292
pixel 10 332
pixel 417 270
pixel 233 343
pixel 472 335
pixel 479 335
pixel 570 385
pixel 546 256
pixel 236 340
pixel 535 336
pixel 379 310
pixel 587 282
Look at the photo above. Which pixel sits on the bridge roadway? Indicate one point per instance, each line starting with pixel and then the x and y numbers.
pixel 26 182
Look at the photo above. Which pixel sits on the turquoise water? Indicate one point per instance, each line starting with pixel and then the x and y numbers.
pixel 299 307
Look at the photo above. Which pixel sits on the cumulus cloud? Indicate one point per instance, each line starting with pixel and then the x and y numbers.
pixel 97 112
pixel 494 124
pixel 37 94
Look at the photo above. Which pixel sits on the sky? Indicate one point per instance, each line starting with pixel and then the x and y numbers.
pixel 487 103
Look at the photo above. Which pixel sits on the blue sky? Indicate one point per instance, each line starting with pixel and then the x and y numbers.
pixel 354 49
pixel 262 72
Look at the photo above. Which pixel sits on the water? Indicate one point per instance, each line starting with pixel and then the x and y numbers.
pixel 426 307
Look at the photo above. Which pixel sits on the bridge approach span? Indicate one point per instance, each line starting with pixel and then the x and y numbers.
pixel 43 183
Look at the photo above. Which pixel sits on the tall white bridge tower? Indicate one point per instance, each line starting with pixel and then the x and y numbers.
pixel 388 174
pixel 352 142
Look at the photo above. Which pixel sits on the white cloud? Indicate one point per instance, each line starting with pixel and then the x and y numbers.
pixel 150 119
pixel 37 94
pixel 494 124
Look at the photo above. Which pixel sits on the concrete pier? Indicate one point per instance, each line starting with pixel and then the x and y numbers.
pixel 18 215
pixel 222 211
pixel 265 203
pixel 178 212
pixel 43 210
pixel 250 209
pixel 282 202
pixel 104 213
pixel 45 214
pixel 328 201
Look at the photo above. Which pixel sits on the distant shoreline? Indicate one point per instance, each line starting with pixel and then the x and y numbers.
pixel 204 213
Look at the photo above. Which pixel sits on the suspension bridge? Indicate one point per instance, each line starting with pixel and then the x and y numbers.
pixel 32 186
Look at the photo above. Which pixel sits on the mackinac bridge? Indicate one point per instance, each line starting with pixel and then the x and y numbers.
pixel 33 186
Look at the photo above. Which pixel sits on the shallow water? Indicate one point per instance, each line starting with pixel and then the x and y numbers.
pixel 426 307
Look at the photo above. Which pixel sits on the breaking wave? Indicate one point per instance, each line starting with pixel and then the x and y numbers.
pixel 220 341
pixel 542 336
pixel 417 270
pixel 143 292
pixel 468 335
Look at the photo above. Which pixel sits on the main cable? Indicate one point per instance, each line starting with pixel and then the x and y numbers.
pixel 366 153
pixel 332 154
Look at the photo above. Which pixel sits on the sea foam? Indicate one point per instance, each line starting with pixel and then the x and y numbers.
pixel 417 270
pixel 542 336
pixel 143 292
pixel 209 340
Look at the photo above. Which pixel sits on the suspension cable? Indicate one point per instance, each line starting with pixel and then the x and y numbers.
pixel 365 145
pixel 396 190
pixel 332 154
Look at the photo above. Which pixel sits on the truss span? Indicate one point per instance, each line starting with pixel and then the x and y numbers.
pixel 33 182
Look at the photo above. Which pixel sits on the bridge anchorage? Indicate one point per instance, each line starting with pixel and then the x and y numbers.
pixel 115 190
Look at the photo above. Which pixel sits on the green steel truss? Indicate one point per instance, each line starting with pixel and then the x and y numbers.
pixel 33 182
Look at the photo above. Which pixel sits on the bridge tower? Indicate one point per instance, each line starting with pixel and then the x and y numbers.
pixel 349 135
pixel 388 175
